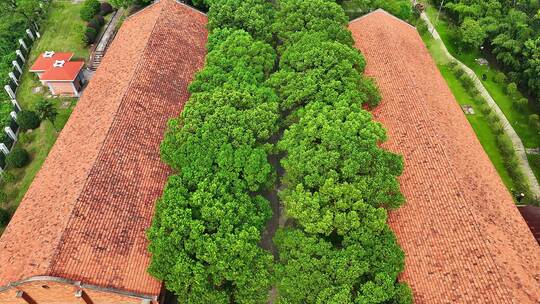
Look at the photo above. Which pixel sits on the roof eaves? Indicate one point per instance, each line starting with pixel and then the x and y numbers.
pixel 383 11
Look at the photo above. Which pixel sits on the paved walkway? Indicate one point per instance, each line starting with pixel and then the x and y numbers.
pixel 518 145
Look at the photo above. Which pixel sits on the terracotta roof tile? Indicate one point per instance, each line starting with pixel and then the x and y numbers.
pixel 84 216
pixel 464 239
pixel 44 63
pixel 68 71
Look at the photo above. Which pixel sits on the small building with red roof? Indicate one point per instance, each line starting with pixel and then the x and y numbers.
pixel 56 71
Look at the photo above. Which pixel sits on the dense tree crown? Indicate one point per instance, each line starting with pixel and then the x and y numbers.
pixel 337 178
pixel 338 182
pixel 205 233
pixel 509 29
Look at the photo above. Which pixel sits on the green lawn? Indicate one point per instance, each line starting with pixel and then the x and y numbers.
pixel 534 161
pixel 518 119
pixel 60 32
pixel 478 121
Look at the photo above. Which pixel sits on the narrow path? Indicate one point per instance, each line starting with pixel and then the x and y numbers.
pixel 516 141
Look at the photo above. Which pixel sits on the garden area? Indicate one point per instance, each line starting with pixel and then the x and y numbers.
pixel 501 73
pixel 62 29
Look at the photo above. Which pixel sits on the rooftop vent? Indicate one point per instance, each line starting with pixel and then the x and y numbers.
pixel 59 63
pixel 48 54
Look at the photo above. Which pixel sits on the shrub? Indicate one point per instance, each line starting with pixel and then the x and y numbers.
pixel 485 109
pixel 94 23
pixel 458 71
pixel 90 35
pixel 89 9
pixel 534 121
pixel 18 158
pixel 99 19
pixel 500 78
pixel 520 104
pixel 4 217
pixel 28 120
pixel 3 197
pixel 511 89
pixel 8 177
pixel 105 9
pixel 505 145
pixel 466 81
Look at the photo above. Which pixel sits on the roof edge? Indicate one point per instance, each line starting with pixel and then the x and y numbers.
pixel 158 1
pixel 383 11
pixel 78 284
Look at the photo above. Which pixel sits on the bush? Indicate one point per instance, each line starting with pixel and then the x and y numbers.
pixel 485 109
pixel 99 19
pixel 4 217
pixel 458 71
pixel 28 120
pixel 94 23
pixel 18 158
pixel 534 121
pixel 520 104
pixel 105 9
pixel 467 81
pixel 511 89
pixel 89 9
pixel 500 78
pixel 506 146
pixel 90 35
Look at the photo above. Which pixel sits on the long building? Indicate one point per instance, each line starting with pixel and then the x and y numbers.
pixel 464 239
pixel 79 234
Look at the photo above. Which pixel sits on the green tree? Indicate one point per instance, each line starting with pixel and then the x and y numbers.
pixel 46 110
pixel 89 9
pixel 472 34
pixel 252 16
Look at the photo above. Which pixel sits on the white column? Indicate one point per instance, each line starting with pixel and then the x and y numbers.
pixel 12 76
pixel 15 103
pixel 20 54
pixel 16 65
pixel 14 115
pixel 9 91
pixel 29 32
pixel 23 44
pixel 4 149
pixel 10 133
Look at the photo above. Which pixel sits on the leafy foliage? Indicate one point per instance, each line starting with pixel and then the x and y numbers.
pixel 89 9
pixel 207 226
pixel 252 16
pixel 510 29
pixel 399 8
pixel 15 17
pixel 28 120
pixel 17 158
pixel 338 181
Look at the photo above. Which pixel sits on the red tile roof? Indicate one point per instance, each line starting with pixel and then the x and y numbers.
pixel 85 215
pixel 44 63
pixel 67 72
pixel 464 239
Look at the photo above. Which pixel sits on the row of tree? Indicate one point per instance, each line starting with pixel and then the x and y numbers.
pixel 338 181
pixel 207 225
pixel 15 17
pixel 509 29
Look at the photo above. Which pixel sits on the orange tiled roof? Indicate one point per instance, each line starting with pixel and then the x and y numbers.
pixel 68 71
pixel 84 216
pixel 44 63
pixel 464 239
